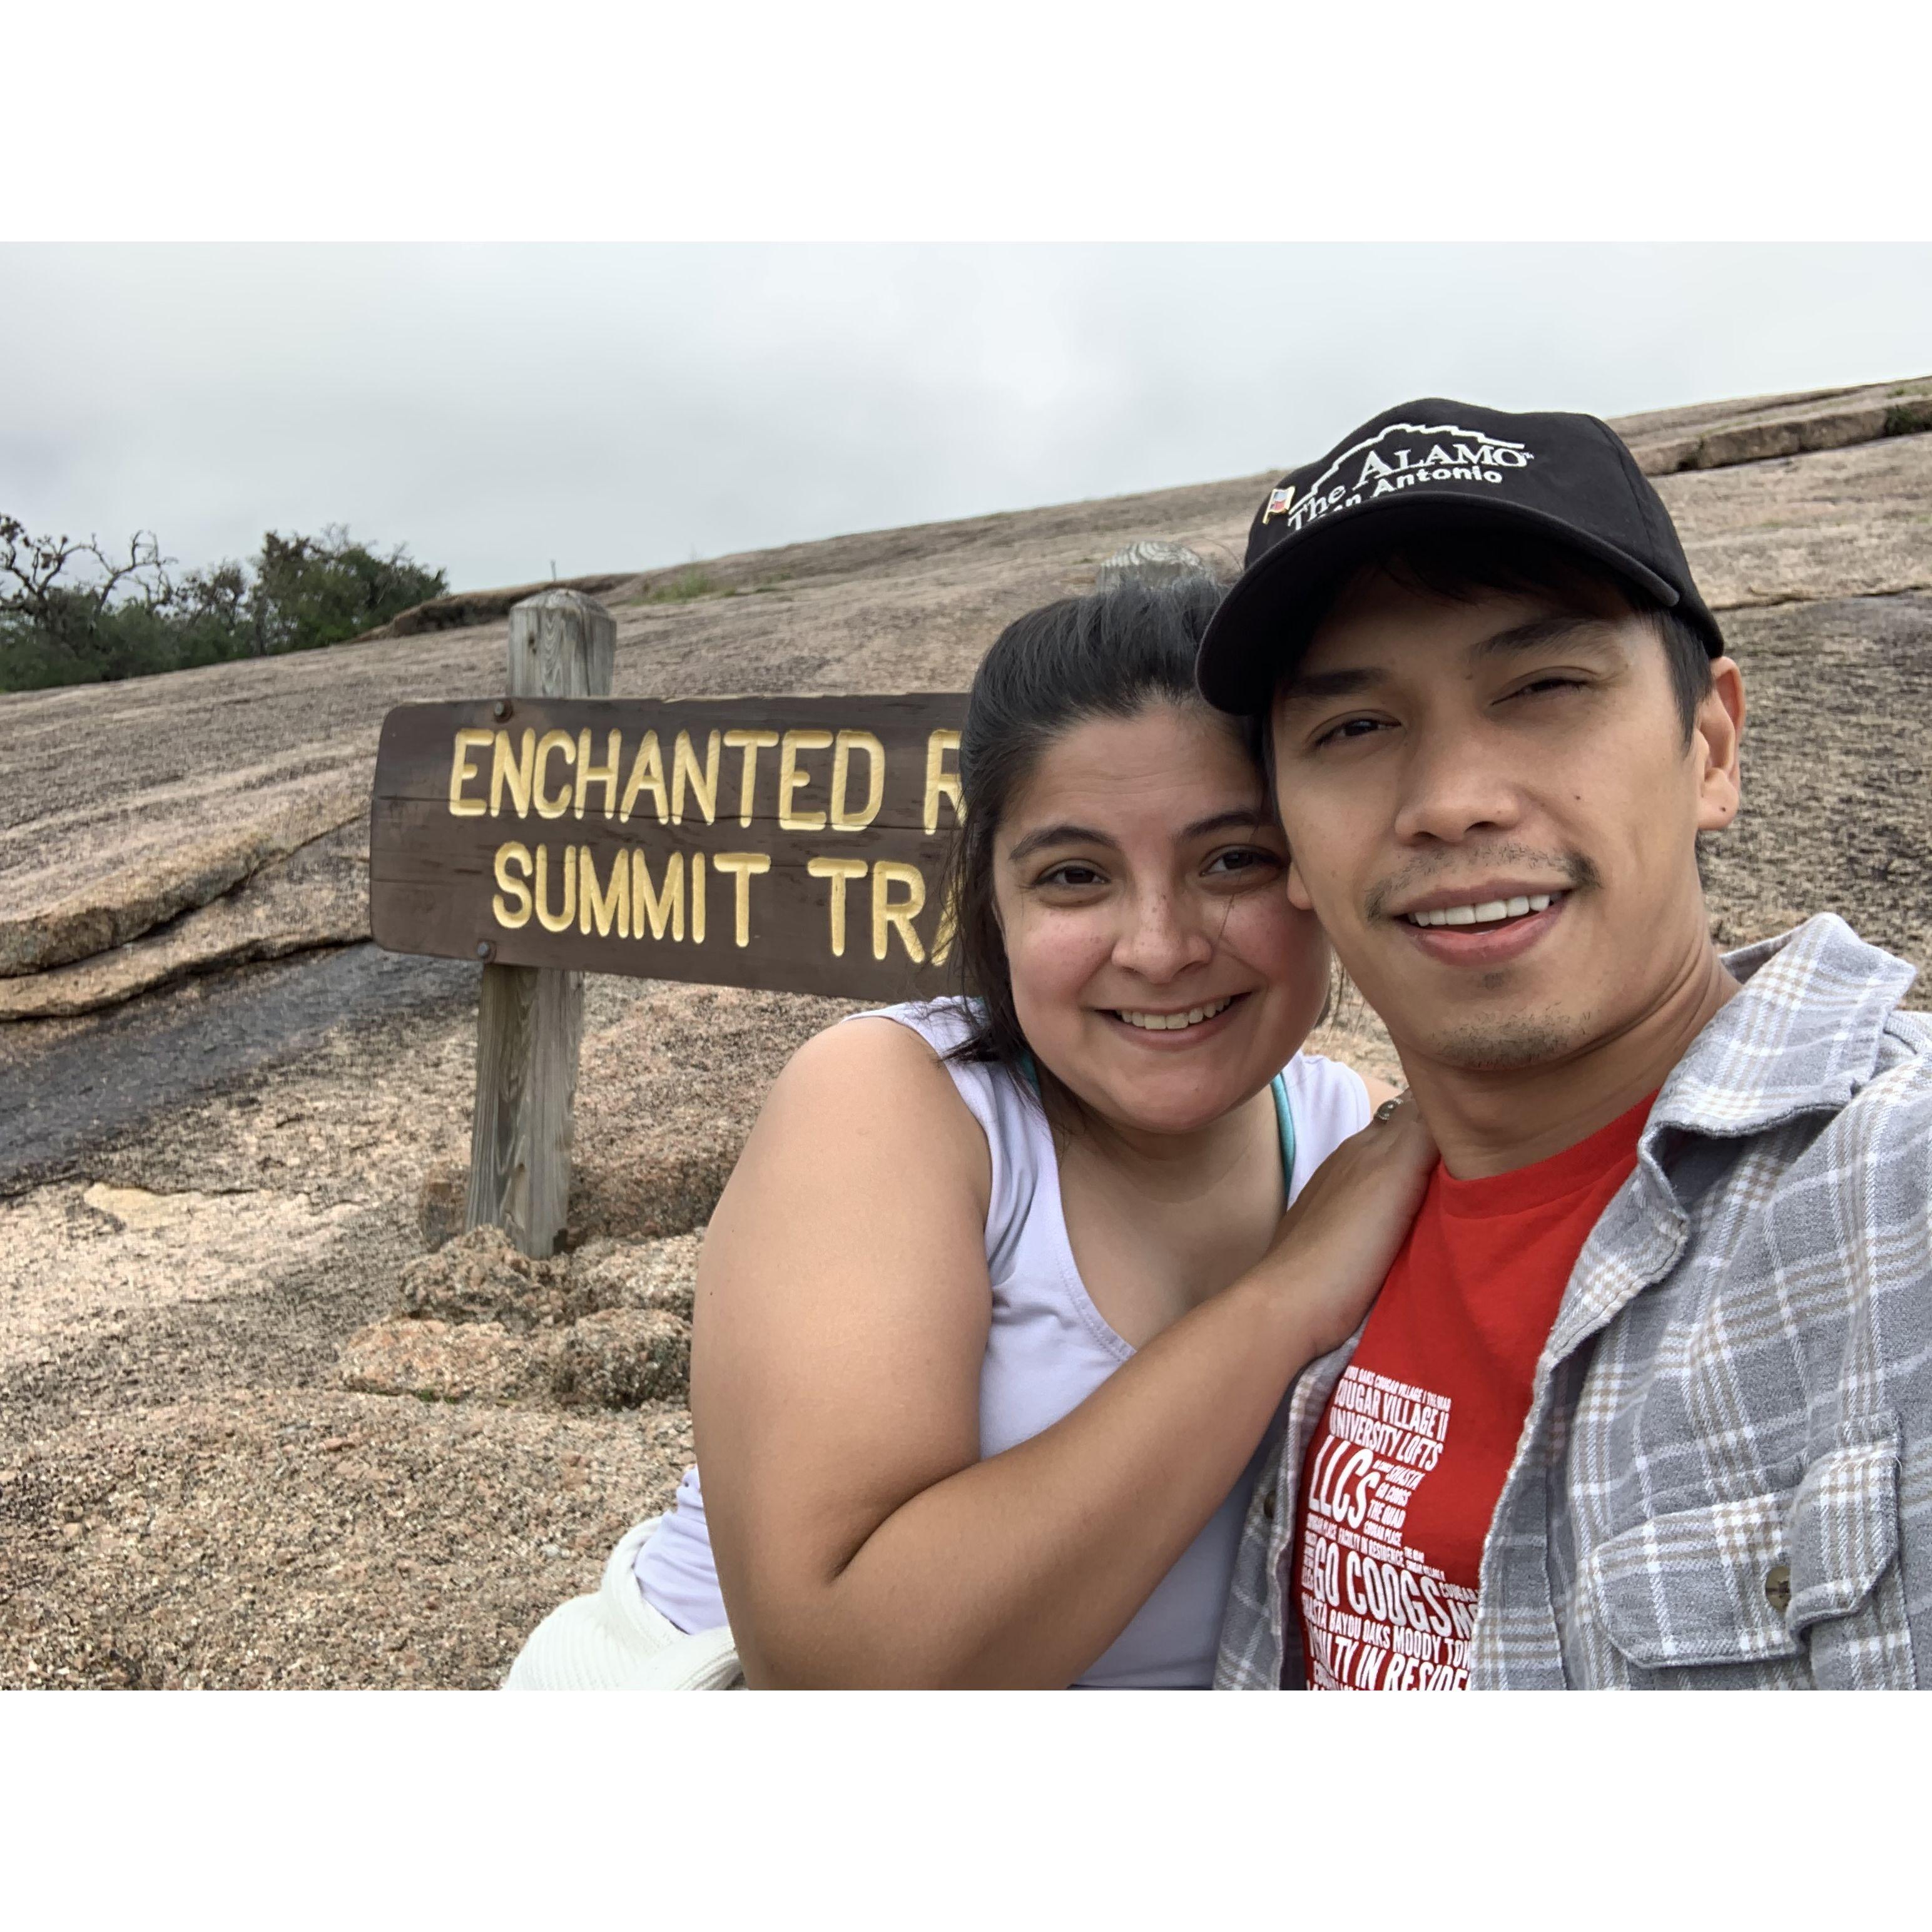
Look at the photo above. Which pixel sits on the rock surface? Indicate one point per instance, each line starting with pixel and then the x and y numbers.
pixel 1713 436
pixel 607 1328
pixel 1148 562
pixel 621 1357
pixel 480 1277
pixel 315 896
pixel 210 1192
pixel 653 1274
pixel 441 1361
pixel 667 1089
pixel 112 864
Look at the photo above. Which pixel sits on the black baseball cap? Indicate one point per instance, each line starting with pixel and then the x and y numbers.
pixel 1434 465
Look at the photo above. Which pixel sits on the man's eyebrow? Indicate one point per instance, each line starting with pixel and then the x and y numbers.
pixel 1540 632
pixel 1063 834
pixel 1537 634
pixel 1311 687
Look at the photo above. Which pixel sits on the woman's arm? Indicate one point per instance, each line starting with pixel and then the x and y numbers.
pixel 842 1315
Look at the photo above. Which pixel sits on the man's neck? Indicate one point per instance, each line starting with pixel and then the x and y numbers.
pixel 1494 1120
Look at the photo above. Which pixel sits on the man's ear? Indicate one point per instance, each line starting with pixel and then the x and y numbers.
pixel 1297 889
pixel 1715 738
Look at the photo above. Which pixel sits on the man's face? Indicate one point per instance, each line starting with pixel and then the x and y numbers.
pixel 1491 808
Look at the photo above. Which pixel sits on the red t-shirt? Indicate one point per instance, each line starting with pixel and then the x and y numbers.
pixel 1403 1475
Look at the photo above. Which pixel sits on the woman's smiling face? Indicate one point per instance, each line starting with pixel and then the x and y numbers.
pixel 1158 968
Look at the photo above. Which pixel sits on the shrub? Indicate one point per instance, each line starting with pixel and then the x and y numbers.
pixel 310 591
pixel 689 584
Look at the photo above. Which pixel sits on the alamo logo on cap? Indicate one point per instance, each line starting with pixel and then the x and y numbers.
pixel 1432 464
pixel 1400 457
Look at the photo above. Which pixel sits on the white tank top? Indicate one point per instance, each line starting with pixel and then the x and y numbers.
pixel 1048 1349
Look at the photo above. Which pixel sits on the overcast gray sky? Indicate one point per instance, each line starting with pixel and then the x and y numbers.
pixel 498 407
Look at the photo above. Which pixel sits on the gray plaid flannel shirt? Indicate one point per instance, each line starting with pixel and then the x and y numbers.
pixel 1725 1478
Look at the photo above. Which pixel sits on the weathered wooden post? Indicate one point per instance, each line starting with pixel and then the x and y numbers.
pixel 529 1022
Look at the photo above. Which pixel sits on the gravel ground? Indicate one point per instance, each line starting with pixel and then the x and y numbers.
pixel 307 1539
pixel 188 1495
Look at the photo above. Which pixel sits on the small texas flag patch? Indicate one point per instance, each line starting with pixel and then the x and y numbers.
pixel 1278 501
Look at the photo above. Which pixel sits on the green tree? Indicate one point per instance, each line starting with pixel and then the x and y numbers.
pixel 72 614
pixel 310 591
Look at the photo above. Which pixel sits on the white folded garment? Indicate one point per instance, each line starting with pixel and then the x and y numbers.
pixel 615 1641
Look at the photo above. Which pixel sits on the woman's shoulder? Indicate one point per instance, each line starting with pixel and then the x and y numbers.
pixel 880 1071
pixel 944 1024
pixel 867 1047
pixel 916 1037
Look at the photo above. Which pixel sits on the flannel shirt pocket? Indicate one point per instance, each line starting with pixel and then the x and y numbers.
pixel 1689 1588
pixel 1763 1579
pixel 1847 1594
pixel 1842 1530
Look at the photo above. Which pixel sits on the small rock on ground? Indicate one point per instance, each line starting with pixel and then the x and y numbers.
pixel 623 1357
pixel 442 1361
pixel 660 1274
pixel 480 1277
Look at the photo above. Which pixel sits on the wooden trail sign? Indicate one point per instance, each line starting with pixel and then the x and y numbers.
pixel 791 844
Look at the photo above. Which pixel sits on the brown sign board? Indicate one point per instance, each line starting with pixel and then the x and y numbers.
pixel 794 844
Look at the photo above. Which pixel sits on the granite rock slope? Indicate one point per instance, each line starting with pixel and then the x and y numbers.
pixel 136 804
pixel 262 1420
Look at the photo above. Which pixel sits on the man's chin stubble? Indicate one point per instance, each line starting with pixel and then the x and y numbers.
pixel 1510 1045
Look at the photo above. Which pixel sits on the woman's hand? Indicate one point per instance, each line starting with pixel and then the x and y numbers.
pixel 843 1310
pixel 1337 1241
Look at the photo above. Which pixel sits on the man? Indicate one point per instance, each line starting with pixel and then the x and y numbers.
pixel 1646 1400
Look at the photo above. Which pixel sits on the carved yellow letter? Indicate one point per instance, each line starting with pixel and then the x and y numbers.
pixel 589 775
pixel 595 902
pixel 461 769
pixel 743 866
pixel 557 921
pixel 843 818
pixel 703 784
pixel 507 855
pixel 516 771
pixel 646 775
pixel 553 741
pixel 791 781
pixel 940 783
pixel 661 910
pixel 899 915
pixel 839 870
pixel 750 743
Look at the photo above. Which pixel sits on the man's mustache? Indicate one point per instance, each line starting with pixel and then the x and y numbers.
pixel 1576 869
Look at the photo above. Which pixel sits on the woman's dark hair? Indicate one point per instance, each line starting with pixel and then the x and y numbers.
pixel 1110 655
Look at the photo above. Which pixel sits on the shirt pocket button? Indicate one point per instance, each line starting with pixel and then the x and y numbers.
pixel 1777 1587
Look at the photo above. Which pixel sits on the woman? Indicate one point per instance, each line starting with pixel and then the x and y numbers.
pixel 1001 1298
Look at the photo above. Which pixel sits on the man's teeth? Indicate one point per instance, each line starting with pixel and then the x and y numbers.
pixel 1174 1022
pixel 1483 912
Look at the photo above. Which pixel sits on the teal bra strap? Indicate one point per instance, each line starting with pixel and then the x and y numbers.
pixel 1285 1121
pixel 1284 1118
